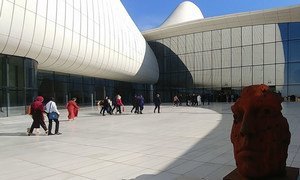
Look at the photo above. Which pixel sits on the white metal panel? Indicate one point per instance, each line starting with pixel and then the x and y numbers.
pixel 28 28
pixel 236 77
pixel 258 34
pixel 236 35
pixel 269 75
pixel 269 53
pixel 216 59
pixel 246 55
pixel 42 8
pixel 247 76
pixel 236 56
pixel 258 75
pixel 269 33
pixel 258 56
pixel 226 38
pixel 226 77
pixel 31 5
pixel 52 14
pixel 61 12
pixel 247 35
pixel 226 58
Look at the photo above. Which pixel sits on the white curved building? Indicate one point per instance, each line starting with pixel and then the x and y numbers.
pixel 221 55
pixel 185 12
pixel 94 38
pixel 87 49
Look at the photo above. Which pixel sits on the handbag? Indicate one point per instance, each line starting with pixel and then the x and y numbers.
pixel 52 115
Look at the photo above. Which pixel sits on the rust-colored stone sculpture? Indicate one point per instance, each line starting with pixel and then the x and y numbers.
pixel 260 134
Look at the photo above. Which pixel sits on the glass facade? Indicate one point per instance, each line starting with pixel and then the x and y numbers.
pixel 18 84
pixel 87 90
pixel 224 61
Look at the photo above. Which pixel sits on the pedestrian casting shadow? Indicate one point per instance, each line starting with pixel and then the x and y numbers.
pixel 14 134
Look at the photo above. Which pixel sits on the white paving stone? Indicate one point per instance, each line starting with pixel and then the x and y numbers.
pixel 181 143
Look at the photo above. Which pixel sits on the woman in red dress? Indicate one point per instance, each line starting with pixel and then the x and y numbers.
pixel 72 109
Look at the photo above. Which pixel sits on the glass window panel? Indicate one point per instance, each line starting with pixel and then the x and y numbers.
pixel 167 47
pixel 207 60
pixel 258 74
pixel 198 42
pixel 281 31
pixel 247 35
pixel 198 61
pixel 207 78
pixel 269 53
pixel 216 78
pixel 281 52
pixel 281 74
pixel 283 91
pixel 226 77
pixel 16 72
pixel 174 63
pixel 189 43
pixel 216 59
pixel 226 38
pixel 207 40
pixel 269 75
pixel 247 55
pixel 294 51
pixel 269 33
pixel 294 30
pixel 294 73
pixel 294 90
pixel 174 45
pixel 181 44
pixel 236 56
pixel 216 39
pixel 182 63
pixel 246 76
pixel 236 77
pixel 258 55
pixel 258 34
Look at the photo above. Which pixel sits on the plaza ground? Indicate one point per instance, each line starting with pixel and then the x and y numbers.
pixel 179 143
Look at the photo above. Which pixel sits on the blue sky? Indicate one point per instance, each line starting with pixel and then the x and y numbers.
pixel 149 14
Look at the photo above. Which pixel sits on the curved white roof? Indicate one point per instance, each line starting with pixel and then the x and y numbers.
pixel 99 41
pixel 186 11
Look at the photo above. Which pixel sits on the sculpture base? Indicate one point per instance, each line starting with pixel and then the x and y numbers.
pixel 291 174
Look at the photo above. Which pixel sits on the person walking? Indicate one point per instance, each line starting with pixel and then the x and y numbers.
pixel 157 102
pixel 141 102
pixel 53 115
pixel 119 103
pixel 72 109
pixel 37 110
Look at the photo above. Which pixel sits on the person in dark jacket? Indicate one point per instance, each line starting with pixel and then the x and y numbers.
pixel 37 110
pixel 157 102
pixel 141 102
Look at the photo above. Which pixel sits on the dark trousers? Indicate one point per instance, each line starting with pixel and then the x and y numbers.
pixel 157 107
pixel 36 124
pixel 56 125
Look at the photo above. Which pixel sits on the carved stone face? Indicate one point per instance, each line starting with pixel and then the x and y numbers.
pixel 260 134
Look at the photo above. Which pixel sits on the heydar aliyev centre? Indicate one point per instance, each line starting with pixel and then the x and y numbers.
pixel 91 49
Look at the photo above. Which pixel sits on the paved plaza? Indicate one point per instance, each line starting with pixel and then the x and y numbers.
pixel 184 143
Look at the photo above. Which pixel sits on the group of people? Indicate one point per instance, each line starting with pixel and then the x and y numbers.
pixel 192 99
pixel 109 106
pixel 37 110
pixel 138 102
